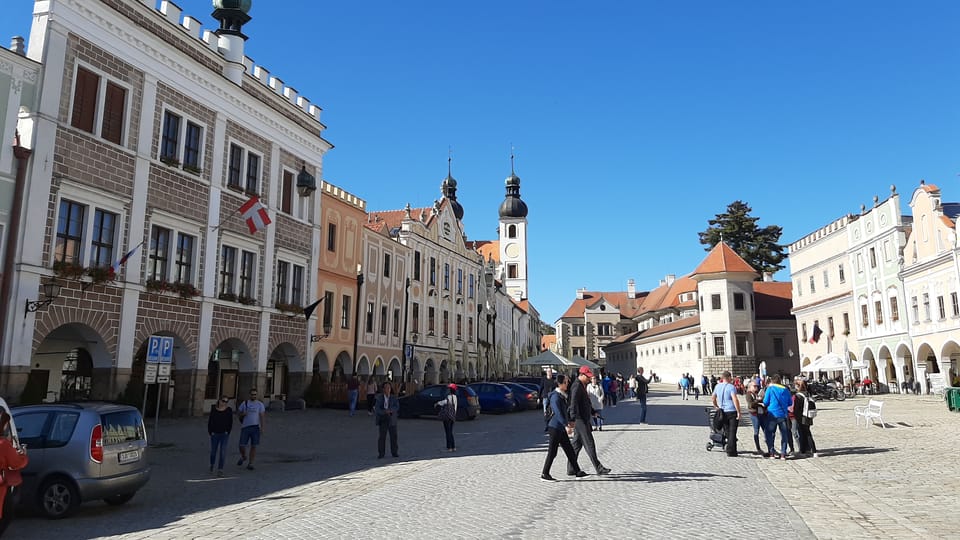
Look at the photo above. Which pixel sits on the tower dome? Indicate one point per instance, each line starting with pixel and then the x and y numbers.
pixel 513 206
pixel 449 190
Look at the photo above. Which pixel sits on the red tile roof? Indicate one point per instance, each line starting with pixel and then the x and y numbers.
pixel 723 259
pixel 629 307
pixel 486 249
pixel 929 188
pixel 548 342
pixel 670 326
pixel 773 299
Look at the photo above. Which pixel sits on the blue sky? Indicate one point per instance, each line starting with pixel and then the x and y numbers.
pixel 634 122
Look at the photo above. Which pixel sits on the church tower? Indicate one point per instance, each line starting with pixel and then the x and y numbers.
pixel 513 239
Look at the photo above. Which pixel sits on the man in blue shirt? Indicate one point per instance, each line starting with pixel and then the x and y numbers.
pixel 725 398
pixel 777 400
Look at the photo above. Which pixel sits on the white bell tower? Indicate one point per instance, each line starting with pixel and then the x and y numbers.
pixel 513 238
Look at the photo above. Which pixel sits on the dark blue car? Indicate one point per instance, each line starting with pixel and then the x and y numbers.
pixel 526 397
pixel 494 397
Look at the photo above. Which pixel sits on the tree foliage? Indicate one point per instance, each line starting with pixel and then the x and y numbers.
pixel 757 246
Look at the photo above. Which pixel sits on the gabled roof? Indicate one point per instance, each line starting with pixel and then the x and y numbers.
pixel 723 259
pixel 668 295
pixel 629 307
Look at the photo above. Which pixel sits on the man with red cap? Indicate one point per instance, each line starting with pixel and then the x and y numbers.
pixel 581 411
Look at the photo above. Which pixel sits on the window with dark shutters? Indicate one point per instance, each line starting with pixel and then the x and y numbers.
pixel 85 100
pixel 113 109
pixel 286 197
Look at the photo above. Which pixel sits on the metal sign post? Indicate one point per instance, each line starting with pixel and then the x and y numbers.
pixel 157 371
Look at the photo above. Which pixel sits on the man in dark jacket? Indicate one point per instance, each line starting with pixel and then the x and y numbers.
pixel 547 385
pixel 580 414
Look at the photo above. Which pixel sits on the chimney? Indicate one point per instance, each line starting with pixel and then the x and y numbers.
pixel 662 282
pixel 631 289
pixel 580 292
pixel 671 278
pixel 16 45
pixel 232 16
pixel 767 277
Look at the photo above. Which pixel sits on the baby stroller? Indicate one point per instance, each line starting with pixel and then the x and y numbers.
pixel 717 437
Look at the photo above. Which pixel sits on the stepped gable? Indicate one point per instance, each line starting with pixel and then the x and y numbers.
pixel 722 259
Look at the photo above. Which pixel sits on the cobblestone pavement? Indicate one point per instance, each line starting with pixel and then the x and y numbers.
pixel 318 477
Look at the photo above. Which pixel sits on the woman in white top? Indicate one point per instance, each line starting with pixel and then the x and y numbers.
pixel 371 394
pixel 595 391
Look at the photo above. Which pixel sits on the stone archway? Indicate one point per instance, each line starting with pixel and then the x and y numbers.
pixel 231 371
pixel 363 366
pixel 71 362
pixel 394 370
pixel 430 373
pixel 904 359
pixel 184 395
pixel 283 366
pixel 950 361
pixel 889 376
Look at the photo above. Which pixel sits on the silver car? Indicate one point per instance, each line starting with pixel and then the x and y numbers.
pixel 81 452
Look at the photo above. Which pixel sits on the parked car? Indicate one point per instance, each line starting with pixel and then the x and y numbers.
pixel 535 381
pixel 422 402
pixel 494 397
pixel 524 397
pixel 81 452
pixel 535 388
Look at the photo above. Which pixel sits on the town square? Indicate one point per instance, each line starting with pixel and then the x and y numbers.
pixel 504 270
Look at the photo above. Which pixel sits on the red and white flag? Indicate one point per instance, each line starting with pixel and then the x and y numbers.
pixel 255 214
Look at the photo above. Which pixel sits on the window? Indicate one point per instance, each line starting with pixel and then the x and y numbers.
pixel 715 301
pixel 803 332
pixel 446 323
pixel 843 278
pixel 383 320
pixel 873 258
pixel 894 309
pixel 433 271
pixel 459 282
pixel 177 131
pixel 778 347
pixel 234 166
pixel 459 326
pixel 87 105
pixel 470 285
pixel 470 329
pixel 415 318
pixel 331 237
pixel 741 344
pixel 328 309
pixel 416 266
pixel 826 279
pixel 446 276
pixel 158 255
pixel 345 312
pixel 579 351
pixel 864 316
pixel 512 270
pixel 813 286
pixel 846 324
pixel 396 322
pixel 247 269
pixel 799 287
pixel 859 263
pixel 296 285
pixel 386 265
pixel 104 232
pixel 69 232
pixel 286 206
pixel 886 250
pixel 738 303
pixel 431 321
pixel 719 348
pixel 369 327
pixel 253 173
pixel 916 309
pixel 283 281
pixel 184 258
pixel 579 330
pixel 604 329
pixel 228 269
pixel 511 231
pixel 878 309
pixel 942 307
pixel 926 306
pixel 830 328
pixel 955 304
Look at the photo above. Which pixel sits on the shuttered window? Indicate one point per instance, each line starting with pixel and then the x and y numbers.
pixel 85 100
pixel 114 105
pixel 191 146
pixel 286 197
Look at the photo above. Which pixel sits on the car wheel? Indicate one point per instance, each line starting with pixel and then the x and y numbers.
pixel 58 498
pixel 117 500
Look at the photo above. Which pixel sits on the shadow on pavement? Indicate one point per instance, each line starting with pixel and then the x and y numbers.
pixel 653 477
pixel 852 450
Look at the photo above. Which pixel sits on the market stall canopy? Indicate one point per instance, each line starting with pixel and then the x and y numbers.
pixel 581 361
pixel 832 362
pixel 548 358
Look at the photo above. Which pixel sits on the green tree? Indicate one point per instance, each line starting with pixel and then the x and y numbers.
pixel 757 246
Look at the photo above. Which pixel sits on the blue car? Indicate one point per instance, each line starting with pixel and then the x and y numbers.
pixel 494 397
pixel 525 397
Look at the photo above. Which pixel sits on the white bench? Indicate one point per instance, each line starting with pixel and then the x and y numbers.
pixel 870 412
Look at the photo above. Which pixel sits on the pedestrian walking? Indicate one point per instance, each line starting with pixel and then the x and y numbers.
pixel 12 460
pixel 605 383
pixel 448 414
pixel 777 401
pixel 805 410
pixel 705 385
pixel 219 425
pixel 643 386
pixel 632 384
pixel 596 402
pixel 560 428
pixel 353 393
pixel 614 390
pixel 580 413
pixel 684 387
pixel 371 394
pixel 387 409
pixel 252 413
pixel 725 399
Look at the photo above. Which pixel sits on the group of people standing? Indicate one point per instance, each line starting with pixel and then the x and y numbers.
pixel 774 409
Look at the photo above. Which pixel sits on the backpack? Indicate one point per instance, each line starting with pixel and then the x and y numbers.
pixel 810 411
pixel 548 411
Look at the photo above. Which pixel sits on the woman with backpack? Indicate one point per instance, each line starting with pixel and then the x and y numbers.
pixel 805 409
pixel 448 414
pixel 560 428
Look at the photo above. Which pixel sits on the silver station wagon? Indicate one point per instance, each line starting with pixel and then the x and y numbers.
pixel 79 452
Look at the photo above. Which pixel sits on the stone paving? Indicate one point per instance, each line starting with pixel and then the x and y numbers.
pixel 318 477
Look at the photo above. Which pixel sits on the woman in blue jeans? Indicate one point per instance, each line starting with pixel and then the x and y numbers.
pixel 218 426
pixel 777 400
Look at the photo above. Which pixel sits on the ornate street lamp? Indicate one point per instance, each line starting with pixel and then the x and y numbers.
pixel 51 291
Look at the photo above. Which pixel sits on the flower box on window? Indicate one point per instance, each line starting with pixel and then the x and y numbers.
pixel 67 270
pixel 228 296
pixel 170 161
pixel 246 300
pixel 100 274
pixel 192 169
pixel 290 308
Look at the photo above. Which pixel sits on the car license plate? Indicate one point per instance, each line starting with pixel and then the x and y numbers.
pixel 129 457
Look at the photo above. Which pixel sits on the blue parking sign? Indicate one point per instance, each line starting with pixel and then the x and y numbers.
pixel 160 350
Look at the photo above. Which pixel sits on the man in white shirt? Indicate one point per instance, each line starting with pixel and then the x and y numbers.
pixel 251 413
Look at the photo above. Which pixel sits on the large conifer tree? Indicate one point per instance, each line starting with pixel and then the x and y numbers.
pixel 759 247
